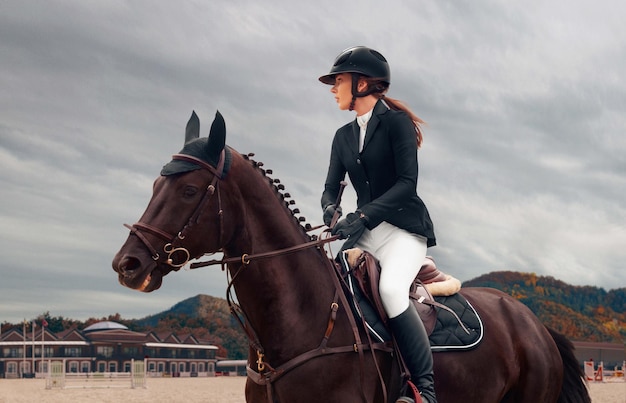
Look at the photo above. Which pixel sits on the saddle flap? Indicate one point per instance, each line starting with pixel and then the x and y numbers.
pixel 366 272
pixel 427 312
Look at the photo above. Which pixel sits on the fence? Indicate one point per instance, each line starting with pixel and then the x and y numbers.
pixel 59 378
pixel 601 374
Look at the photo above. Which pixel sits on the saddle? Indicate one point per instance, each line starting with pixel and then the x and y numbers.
pixel 430 282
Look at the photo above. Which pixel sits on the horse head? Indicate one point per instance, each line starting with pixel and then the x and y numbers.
pixel 179 223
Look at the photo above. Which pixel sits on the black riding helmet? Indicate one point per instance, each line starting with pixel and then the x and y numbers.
pixel 361 60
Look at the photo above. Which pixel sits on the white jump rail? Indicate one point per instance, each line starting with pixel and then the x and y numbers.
pixel 59 378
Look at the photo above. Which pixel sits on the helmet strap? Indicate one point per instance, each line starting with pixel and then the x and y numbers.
pixel 355 90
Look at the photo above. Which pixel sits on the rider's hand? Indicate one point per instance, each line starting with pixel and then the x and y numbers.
pixel 351 226
pixel 329 213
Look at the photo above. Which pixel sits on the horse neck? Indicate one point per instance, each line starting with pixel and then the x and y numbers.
pixel 284 295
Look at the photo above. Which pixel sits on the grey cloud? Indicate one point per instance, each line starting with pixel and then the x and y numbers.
pixel 522 167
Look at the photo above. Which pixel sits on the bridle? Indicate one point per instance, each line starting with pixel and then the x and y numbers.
pixel 170 247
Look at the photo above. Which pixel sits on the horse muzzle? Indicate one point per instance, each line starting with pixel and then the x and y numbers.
pixel 138 273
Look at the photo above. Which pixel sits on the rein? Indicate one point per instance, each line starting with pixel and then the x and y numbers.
pixel 246 258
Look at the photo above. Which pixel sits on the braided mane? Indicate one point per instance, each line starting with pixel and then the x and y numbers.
pixel 284 197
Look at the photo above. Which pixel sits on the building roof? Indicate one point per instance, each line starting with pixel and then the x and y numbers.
pixel 599 345
pixel 104 325
pixel 106 332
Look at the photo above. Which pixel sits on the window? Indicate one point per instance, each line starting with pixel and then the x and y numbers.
pixel 73 352
pixel 112 366
pixel 130 351
pixel 181 367
pixel 73 367
pixel 151 367
pixel 105 351
pixel 102 366
pixel 85 367
pixel 13 352
pixel 49 351
pixel 12 368
pixel 25 367
pixel 126 366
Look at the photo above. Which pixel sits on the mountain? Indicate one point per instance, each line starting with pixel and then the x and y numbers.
pixel 582 313
pixel 207 318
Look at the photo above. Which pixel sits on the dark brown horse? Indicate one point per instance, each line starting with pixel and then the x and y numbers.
pixel 304 345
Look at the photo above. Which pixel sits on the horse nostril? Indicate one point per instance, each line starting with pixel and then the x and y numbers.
pixel 128 265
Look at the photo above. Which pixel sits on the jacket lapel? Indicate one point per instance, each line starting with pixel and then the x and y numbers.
pixel 354 139
pixel 372 125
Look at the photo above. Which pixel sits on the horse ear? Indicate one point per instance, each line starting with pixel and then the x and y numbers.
pixel 192 131
pixel 217 137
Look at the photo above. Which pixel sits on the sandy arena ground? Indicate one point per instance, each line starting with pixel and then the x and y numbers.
pixel 189 390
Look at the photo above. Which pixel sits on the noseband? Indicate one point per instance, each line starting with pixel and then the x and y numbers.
pixel 170 248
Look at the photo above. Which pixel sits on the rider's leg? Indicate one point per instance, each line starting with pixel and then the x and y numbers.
pixel 401 255
pixel 414 346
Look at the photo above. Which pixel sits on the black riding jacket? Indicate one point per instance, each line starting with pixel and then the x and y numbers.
pixel 384 174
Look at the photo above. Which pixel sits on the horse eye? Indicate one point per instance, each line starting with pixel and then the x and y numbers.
pixel 190 191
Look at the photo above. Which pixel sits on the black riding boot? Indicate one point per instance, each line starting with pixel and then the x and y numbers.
pixel 410 334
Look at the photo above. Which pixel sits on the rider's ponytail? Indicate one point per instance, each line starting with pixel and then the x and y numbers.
pixel 378 87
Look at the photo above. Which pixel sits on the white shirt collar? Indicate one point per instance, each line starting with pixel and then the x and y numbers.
pixel 362 122
pixel 363 119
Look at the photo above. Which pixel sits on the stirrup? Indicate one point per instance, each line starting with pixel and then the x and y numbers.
pixel 406 399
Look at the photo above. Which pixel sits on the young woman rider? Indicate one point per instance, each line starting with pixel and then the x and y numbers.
pixel 378 150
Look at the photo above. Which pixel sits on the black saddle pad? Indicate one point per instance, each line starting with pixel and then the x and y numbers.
pixel 448 335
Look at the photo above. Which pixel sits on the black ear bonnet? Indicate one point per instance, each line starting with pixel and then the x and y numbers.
pixel 208 149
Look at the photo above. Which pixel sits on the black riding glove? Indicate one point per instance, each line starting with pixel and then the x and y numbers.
pixel 350 227
pixel 329 213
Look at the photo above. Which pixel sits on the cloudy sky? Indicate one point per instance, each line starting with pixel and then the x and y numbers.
pixel 523 166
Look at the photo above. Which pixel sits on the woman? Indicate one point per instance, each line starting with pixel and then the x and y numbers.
pixel 378 150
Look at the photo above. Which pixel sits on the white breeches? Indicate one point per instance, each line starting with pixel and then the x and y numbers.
pixel 401 255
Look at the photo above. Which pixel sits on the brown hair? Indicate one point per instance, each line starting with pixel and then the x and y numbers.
pixel 379 88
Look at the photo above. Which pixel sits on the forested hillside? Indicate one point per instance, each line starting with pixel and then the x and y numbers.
pixel 205 317
pixel 582 313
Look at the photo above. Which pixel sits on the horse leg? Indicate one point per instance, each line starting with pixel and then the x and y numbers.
pixel 256 393
pixel 331 378
pixel 537 357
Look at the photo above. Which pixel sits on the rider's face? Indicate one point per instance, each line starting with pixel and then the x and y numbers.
pixel 342 89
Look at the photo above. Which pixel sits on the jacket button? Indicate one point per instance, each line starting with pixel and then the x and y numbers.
pixel 358 161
